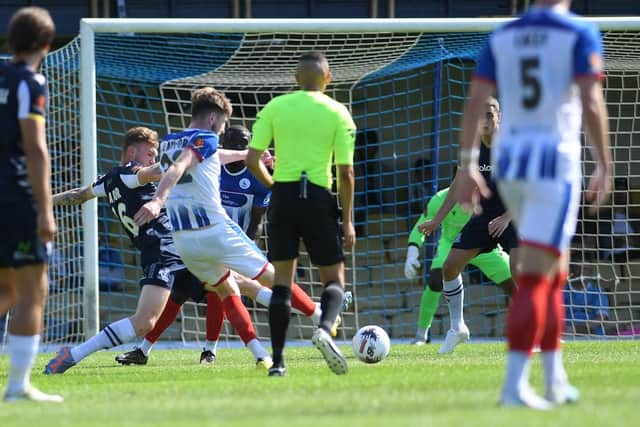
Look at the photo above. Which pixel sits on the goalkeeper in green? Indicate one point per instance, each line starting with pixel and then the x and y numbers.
pixel 494 264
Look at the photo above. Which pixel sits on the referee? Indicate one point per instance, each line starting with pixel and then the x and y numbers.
pixel 308 129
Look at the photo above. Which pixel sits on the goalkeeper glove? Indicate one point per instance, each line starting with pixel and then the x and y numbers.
pixel 412 264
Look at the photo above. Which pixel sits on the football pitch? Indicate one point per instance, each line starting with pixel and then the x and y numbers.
pixel 414 386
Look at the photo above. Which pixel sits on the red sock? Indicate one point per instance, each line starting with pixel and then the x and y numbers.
pixel 239 317
pixel 525 320
pixel 555 315
pixel 215 316
pixel 168 316
pixel 301 301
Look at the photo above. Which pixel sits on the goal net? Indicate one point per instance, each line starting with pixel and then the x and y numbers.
pixel 404 81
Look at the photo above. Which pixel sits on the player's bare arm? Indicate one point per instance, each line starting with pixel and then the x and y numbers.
pixel 253 230
pixel 149 174
pixel 151 209
pixel 75 196
pixel 596 123
pixel 468 173
pixel 230 156
pixel 39 173
pixel 346 187
pixel 153 173
pixel 257 168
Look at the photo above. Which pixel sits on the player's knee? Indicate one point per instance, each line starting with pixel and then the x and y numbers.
pixel 435 280
pixel 225 290
pixel 8 294
pixel 450 270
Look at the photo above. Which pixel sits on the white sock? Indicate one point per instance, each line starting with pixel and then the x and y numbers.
pixel 22 352
pixel 454 292
pixel 257 349
pixel 146 346
pixel 421 334
pixel 263 297
pixel 553 368
pixel 212 346
pixel 113 335
pixel 517 377
pixel 317 314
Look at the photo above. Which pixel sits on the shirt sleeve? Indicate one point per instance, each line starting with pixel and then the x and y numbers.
pixel 587 53
pixel 130 180
pixel 32 98
pixel 203 145
pixel 345 138
pixel 486 68
pixel 434 205
pixel 263 129
pixel 98 187
pixel 416 237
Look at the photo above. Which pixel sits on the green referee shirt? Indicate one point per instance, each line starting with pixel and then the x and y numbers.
pixel 451 225
pixel 308 130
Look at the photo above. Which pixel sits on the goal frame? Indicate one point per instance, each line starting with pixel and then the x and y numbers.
pixel 88 126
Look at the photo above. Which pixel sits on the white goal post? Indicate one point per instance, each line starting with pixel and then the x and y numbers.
pixel 88 121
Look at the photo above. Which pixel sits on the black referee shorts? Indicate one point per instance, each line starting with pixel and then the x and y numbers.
pixel 314 220
pixel 475 235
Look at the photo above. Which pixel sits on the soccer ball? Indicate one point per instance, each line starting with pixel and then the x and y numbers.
pixel 371 344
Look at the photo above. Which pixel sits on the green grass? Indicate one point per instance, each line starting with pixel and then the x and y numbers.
pixel 413 386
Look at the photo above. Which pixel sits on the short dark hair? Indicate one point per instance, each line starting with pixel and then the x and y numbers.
pixel 31 28
pixel 236 137
pixel 210 100
pixel 140 134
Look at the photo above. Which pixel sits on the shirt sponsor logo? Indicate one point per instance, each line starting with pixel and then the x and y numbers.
pixel 24 252
pixel 198 143
pixel 485 168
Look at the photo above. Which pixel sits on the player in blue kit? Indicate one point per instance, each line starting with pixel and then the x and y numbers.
pixel 547 67
pixel 127 187
pixel 25 196
pixel 244 198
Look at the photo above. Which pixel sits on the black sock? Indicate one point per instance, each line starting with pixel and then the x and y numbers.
pixel 279 314
pixel 330 304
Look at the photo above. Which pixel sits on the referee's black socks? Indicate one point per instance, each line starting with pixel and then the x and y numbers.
pixel 330 304
pixel 279 314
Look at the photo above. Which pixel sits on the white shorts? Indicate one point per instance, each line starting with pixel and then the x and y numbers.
pixel 545 212
pixel 209 253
